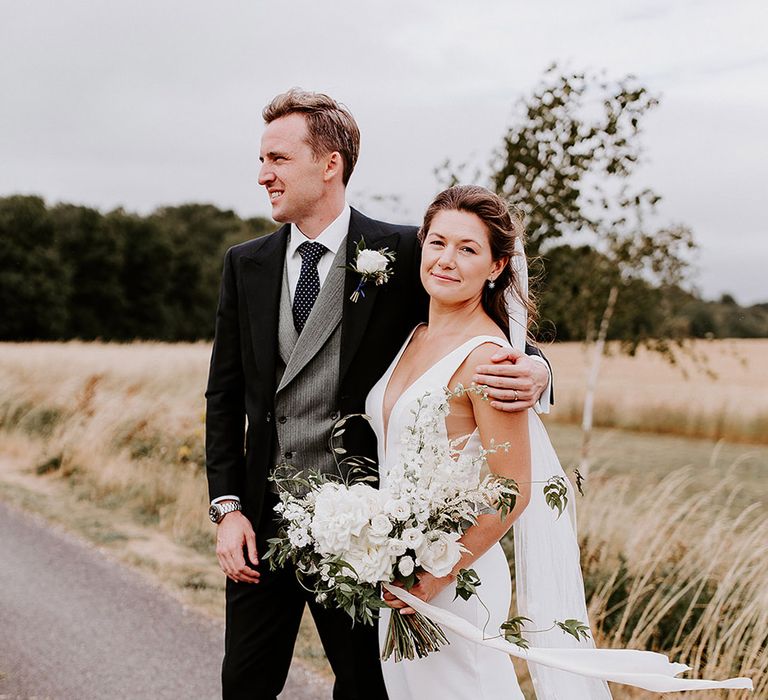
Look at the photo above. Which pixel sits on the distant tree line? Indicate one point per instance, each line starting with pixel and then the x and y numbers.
pixel 567 271
pixel 69 271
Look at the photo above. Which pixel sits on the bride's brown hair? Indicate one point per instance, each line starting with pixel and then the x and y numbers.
pixel 503 226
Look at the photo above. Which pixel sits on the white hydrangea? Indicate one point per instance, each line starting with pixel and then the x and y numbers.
pixel 340 514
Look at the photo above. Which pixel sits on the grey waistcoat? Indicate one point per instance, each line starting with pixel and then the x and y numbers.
pixel 306 403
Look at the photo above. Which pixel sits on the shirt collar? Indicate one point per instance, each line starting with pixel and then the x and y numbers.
pixel 332 237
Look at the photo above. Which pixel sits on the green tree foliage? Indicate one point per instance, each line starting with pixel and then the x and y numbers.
pixel 580 277
pixel 723 318
pixel 92 260
pixel 73 272
pixel 34 288
pixel 573 139
pixel 566 163
pixel 199 235
pixel 147 258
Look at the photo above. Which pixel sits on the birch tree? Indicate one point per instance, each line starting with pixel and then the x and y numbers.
pixel 568 162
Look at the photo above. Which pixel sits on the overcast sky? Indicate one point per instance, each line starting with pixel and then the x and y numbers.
pixel 138 104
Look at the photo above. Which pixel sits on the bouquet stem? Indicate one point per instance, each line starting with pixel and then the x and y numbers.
pixel 410 636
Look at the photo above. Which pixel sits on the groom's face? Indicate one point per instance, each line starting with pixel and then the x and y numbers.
pixel 290 171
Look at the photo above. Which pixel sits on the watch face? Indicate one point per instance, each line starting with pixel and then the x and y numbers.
pixel 214 514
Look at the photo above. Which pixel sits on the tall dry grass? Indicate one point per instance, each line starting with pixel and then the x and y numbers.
pixel 647 393
pixel 678 573
pixel 122 422
pixel 667 566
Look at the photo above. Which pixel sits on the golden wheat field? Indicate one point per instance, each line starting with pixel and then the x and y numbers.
pixel 722 395
pixel 123 426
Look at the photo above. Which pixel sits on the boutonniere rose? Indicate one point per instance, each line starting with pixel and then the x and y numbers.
pixel 372 266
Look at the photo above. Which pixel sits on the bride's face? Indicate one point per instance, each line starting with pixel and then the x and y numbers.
pixel 456 260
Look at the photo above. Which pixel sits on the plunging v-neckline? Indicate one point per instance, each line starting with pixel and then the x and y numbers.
pixel 387 419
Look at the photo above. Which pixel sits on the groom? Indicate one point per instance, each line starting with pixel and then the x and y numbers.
pixel 292 354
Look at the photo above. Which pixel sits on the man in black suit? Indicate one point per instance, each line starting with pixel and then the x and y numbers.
pixel 276 366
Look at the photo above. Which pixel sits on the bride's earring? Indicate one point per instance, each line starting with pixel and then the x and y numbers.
pixel 491 284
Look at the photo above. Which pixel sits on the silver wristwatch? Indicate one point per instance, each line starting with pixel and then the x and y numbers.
pixel 218 510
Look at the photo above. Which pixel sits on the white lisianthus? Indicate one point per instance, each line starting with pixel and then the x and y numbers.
pixel 299 537
pixel 370 262
pixel 412 537
pixel 406 565
pixel 439 552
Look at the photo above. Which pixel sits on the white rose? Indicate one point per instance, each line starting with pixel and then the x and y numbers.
pixel 380 526
pixel 396 547
pixel 405 566
pixel 439 553
pixel 412 537
pixel 398 509
pixel 370 262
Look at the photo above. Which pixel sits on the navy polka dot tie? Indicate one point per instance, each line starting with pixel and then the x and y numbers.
pixel 308 286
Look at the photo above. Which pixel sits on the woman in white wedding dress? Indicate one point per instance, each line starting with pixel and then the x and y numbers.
pixel 474 272
pixel 457 266
pixel 465 271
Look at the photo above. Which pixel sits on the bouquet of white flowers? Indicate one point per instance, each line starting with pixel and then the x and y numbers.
pixel 345 537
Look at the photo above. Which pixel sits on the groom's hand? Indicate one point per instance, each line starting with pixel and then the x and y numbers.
pixel 234 534
pixel 514 381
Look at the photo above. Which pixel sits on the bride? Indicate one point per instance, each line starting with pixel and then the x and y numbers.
pixel 474 271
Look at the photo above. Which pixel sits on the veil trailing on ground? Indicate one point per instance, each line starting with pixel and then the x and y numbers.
pixel 547 565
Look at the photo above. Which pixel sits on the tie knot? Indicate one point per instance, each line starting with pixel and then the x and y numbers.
pixel 311 252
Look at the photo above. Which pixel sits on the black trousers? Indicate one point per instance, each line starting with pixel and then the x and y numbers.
pixel 262 623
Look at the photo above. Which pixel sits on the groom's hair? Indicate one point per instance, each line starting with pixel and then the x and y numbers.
pixel 330 126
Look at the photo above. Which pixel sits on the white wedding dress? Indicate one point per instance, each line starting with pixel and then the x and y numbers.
pixel 461 670
pixel 476 664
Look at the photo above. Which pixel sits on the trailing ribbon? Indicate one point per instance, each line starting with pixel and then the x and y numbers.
pixel 642 669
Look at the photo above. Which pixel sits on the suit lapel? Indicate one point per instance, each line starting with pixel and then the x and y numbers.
pixel 322 321
pixel 262 275
pixel 358 314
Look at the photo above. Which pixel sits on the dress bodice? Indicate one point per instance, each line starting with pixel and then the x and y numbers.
pixel 434 379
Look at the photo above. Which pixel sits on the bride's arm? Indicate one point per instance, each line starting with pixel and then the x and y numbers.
pixel 497 427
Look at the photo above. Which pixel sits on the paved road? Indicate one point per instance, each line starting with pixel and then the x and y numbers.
pixel 76 625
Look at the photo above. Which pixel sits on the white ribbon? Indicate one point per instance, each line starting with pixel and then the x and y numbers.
pixel 642 669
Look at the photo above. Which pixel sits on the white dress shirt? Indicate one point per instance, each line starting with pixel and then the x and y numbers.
pixel 332 238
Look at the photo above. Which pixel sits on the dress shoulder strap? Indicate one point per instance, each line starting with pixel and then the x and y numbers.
pixel 444 369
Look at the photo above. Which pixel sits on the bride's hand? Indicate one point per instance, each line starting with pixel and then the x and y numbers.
pixel 426 589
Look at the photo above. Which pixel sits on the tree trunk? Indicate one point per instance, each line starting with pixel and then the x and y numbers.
pixel 594 372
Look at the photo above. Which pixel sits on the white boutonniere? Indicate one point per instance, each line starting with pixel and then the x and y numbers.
pixel 372 266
